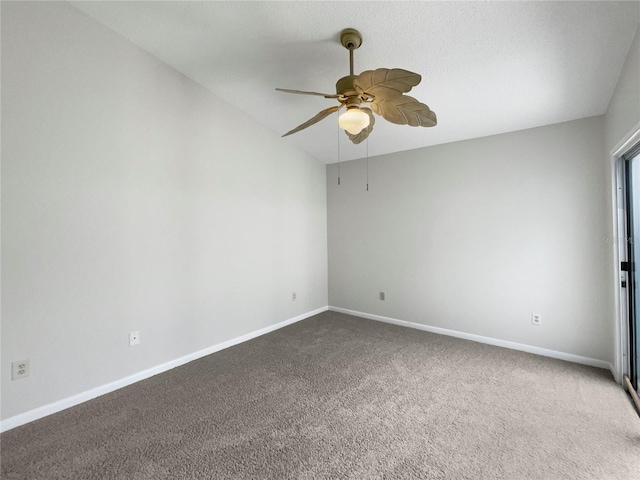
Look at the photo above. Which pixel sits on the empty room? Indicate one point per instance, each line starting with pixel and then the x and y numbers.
pixel 320 240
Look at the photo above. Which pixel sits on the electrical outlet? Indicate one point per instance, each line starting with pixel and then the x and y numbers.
pixel 293 297
pixel 20 369
pixel 381 295
pixel 134 338
pixel 536 319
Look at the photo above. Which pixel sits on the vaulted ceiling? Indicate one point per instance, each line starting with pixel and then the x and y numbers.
pixel 487 67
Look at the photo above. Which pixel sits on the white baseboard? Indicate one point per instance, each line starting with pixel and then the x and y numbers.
pixel 569 357
pixel 74 400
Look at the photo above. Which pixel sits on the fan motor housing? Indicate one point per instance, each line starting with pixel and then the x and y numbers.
pixel 345 87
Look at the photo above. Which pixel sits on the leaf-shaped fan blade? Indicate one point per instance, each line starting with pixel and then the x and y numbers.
pixel 324 113
pixel 300 92
pixel 358 138
pixel 385 83
pixel 405 110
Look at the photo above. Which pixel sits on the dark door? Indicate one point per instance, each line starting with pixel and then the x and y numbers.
pixel 632 181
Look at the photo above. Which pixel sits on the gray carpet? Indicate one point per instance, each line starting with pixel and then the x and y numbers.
pixel 336 396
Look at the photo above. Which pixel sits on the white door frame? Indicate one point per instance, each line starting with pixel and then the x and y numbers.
pixel 618 242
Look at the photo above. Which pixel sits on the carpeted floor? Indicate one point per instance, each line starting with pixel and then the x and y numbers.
pixel 336 396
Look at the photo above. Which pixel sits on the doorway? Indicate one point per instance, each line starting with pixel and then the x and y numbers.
pixel 630 262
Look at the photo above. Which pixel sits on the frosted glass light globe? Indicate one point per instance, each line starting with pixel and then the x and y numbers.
pixel 353 120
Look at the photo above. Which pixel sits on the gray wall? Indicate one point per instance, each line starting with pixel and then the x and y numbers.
pixel 475 236
pixel 133 199
pixel 623 112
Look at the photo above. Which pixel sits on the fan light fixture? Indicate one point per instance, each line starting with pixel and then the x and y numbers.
pixel 382 89
pixel 353 120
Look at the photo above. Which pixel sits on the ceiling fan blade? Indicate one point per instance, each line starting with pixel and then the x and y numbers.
pixel 324 113
pixel 386 82
pixel 405 110
pixel 300 92
pixel 360 137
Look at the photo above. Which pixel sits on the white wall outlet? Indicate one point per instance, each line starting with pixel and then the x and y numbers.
pixel 536 319
pixel 381 295
pixel 20 369
pixel 293 296
pixel 134 338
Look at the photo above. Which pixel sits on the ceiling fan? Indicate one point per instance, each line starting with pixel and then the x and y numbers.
pixel 384 89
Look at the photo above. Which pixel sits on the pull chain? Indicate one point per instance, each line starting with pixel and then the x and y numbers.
pixel 367 164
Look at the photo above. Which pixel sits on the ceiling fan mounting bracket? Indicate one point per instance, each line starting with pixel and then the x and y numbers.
pixel 350 39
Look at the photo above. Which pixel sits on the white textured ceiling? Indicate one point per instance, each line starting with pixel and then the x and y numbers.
pixel 487 67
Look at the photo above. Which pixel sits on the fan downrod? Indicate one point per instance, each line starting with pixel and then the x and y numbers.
pixel 350 39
